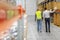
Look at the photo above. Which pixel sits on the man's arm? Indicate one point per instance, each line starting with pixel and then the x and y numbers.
pixel 52 11
pixel 43 14
pixel 35 17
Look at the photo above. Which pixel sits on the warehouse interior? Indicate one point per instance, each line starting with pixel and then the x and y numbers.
pixel 17 20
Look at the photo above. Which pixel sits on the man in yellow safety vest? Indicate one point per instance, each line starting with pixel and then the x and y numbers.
pixel 38 17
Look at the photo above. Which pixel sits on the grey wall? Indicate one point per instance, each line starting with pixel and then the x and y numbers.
pixel 30 7
pixel 20 2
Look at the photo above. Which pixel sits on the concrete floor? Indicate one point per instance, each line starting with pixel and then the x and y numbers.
pixel 32 33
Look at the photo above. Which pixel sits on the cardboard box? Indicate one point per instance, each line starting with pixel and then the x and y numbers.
pixel 58 19
pixel 55 19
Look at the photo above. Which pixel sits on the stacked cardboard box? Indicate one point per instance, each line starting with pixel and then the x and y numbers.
pixel 55 17
pixel 49 5
pixel 57 14
pixel 58 19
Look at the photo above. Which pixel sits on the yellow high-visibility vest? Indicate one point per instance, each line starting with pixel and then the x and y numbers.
pixel 38 15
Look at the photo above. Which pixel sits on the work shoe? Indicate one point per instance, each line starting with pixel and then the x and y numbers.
pixel 49 31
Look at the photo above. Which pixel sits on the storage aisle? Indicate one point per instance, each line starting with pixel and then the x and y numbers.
pixel 32 33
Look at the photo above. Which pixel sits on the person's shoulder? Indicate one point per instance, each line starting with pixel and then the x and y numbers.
pixel 47 10
pixel 43 11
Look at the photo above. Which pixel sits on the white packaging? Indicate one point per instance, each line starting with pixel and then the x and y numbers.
pixel 14 35
pixel 15 23
pixel 13 28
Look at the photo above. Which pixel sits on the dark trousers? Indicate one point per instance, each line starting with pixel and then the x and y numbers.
pixel 47 24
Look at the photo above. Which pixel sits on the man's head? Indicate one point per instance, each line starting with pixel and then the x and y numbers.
pixel 37 9
pixel 45 8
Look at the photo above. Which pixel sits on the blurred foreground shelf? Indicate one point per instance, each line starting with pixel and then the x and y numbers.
pixel 7 24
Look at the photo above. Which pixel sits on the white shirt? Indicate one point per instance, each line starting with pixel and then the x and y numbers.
pixel 46 13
